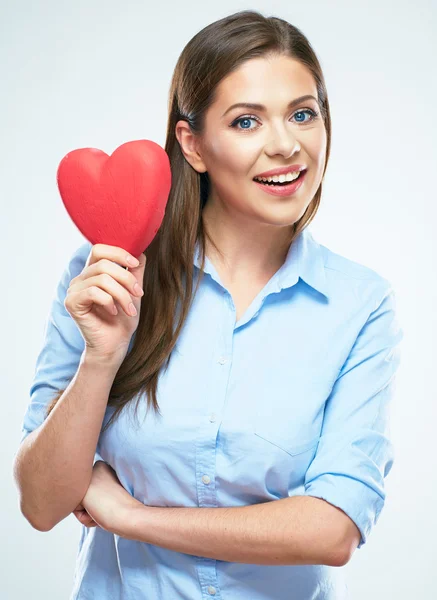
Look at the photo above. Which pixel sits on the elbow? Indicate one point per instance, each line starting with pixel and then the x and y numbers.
pixel 339 558
pixel 43 511
pixel 339 552
pixel 43 521
pixel 342 553
pixel 351 540
pixel 28 514
pixel 335 555
pixel 35 523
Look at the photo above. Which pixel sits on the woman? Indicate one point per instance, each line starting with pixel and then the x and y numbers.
pixel 260 466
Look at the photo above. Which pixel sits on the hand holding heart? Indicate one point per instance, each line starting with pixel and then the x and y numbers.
pixel 118 203
pixel 94 296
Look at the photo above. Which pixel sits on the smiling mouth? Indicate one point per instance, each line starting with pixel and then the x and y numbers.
pixel 278 183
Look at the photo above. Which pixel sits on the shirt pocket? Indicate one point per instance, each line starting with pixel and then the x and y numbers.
pixel 292 445
pixel 292 424
pixel 282 457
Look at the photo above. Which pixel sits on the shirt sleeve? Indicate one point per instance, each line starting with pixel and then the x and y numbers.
pixel 62 347
pixel 355 452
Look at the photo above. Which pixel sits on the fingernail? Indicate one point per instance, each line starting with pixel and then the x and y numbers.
pixel 138 290
pixel 132 260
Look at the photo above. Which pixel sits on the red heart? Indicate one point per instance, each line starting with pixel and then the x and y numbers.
pixel 119 199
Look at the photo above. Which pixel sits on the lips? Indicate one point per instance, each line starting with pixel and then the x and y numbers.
pixel 284 190
pixel 282 171
pixel 272 183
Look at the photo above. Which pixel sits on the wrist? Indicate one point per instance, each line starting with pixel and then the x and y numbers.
pixel 136 522
pixel 92 359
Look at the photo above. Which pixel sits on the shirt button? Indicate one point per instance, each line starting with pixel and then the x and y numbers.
pixel 223 360
pixel 211 590
pixel 206 479
pixel 213 418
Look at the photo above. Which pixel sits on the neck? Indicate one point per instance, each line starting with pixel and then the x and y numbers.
pixel 250 249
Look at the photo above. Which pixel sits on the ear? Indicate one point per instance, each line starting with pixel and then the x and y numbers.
pixel 190 146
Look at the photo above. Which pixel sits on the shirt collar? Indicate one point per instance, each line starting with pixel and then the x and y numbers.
pixel 305 260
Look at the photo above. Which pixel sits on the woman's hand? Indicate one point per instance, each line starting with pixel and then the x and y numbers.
pixel 83 517
pixel 107 503
pixel 102 287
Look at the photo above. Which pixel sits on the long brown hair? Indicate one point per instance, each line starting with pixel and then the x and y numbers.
pixel 212 54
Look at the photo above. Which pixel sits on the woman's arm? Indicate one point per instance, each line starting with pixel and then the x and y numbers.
pixel 298 530
pixel 54 464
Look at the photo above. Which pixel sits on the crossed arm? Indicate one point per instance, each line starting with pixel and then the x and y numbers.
pixel 296 530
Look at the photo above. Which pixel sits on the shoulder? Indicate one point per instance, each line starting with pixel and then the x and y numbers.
pixel 349 277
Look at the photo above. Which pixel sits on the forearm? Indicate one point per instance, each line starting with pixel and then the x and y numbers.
pixel 53 468
pixel 300 530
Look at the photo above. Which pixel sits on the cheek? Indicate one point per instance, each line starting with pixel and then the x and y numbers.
pixel 231 155
pixel 316 147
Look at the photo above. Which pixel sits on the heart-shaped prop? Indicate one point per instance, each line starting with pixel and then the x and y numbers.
pixel 120 199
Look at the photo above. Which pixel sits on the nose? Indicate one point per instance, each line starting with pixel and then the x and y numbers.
pixel 284 142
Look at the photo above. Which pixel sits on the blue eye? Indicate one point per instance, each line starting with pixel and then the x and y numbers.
pixel 302 112
pixel 248 118
pixel 243 120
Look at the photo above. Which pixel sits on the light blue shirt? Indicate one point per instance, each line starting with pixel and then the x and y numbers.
pixel 291 400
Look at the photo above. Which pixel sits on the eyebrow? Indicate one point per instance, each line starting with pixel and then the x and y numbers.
pixel 262 108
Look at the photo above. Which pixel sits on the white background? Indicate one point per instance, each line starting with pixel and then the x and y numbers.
pixel 97 73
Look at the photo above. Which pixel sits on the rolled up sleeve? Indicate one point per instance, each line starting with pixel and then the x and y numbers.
pixel 62 347
pixel 355 452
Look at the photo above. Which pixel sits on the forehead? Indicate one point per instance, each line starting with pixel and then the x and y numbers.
pixel 272 81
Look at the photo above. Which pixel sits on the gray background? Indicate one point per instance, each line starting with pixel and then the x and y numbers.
pixel 97 73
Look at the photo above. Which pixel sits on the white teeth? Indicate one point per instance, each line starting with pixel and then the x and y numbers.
pixel 280 178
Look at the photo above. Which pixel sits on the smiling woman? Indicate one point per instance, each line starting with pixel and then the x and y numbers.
pixel 275 357
pixel 232 154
